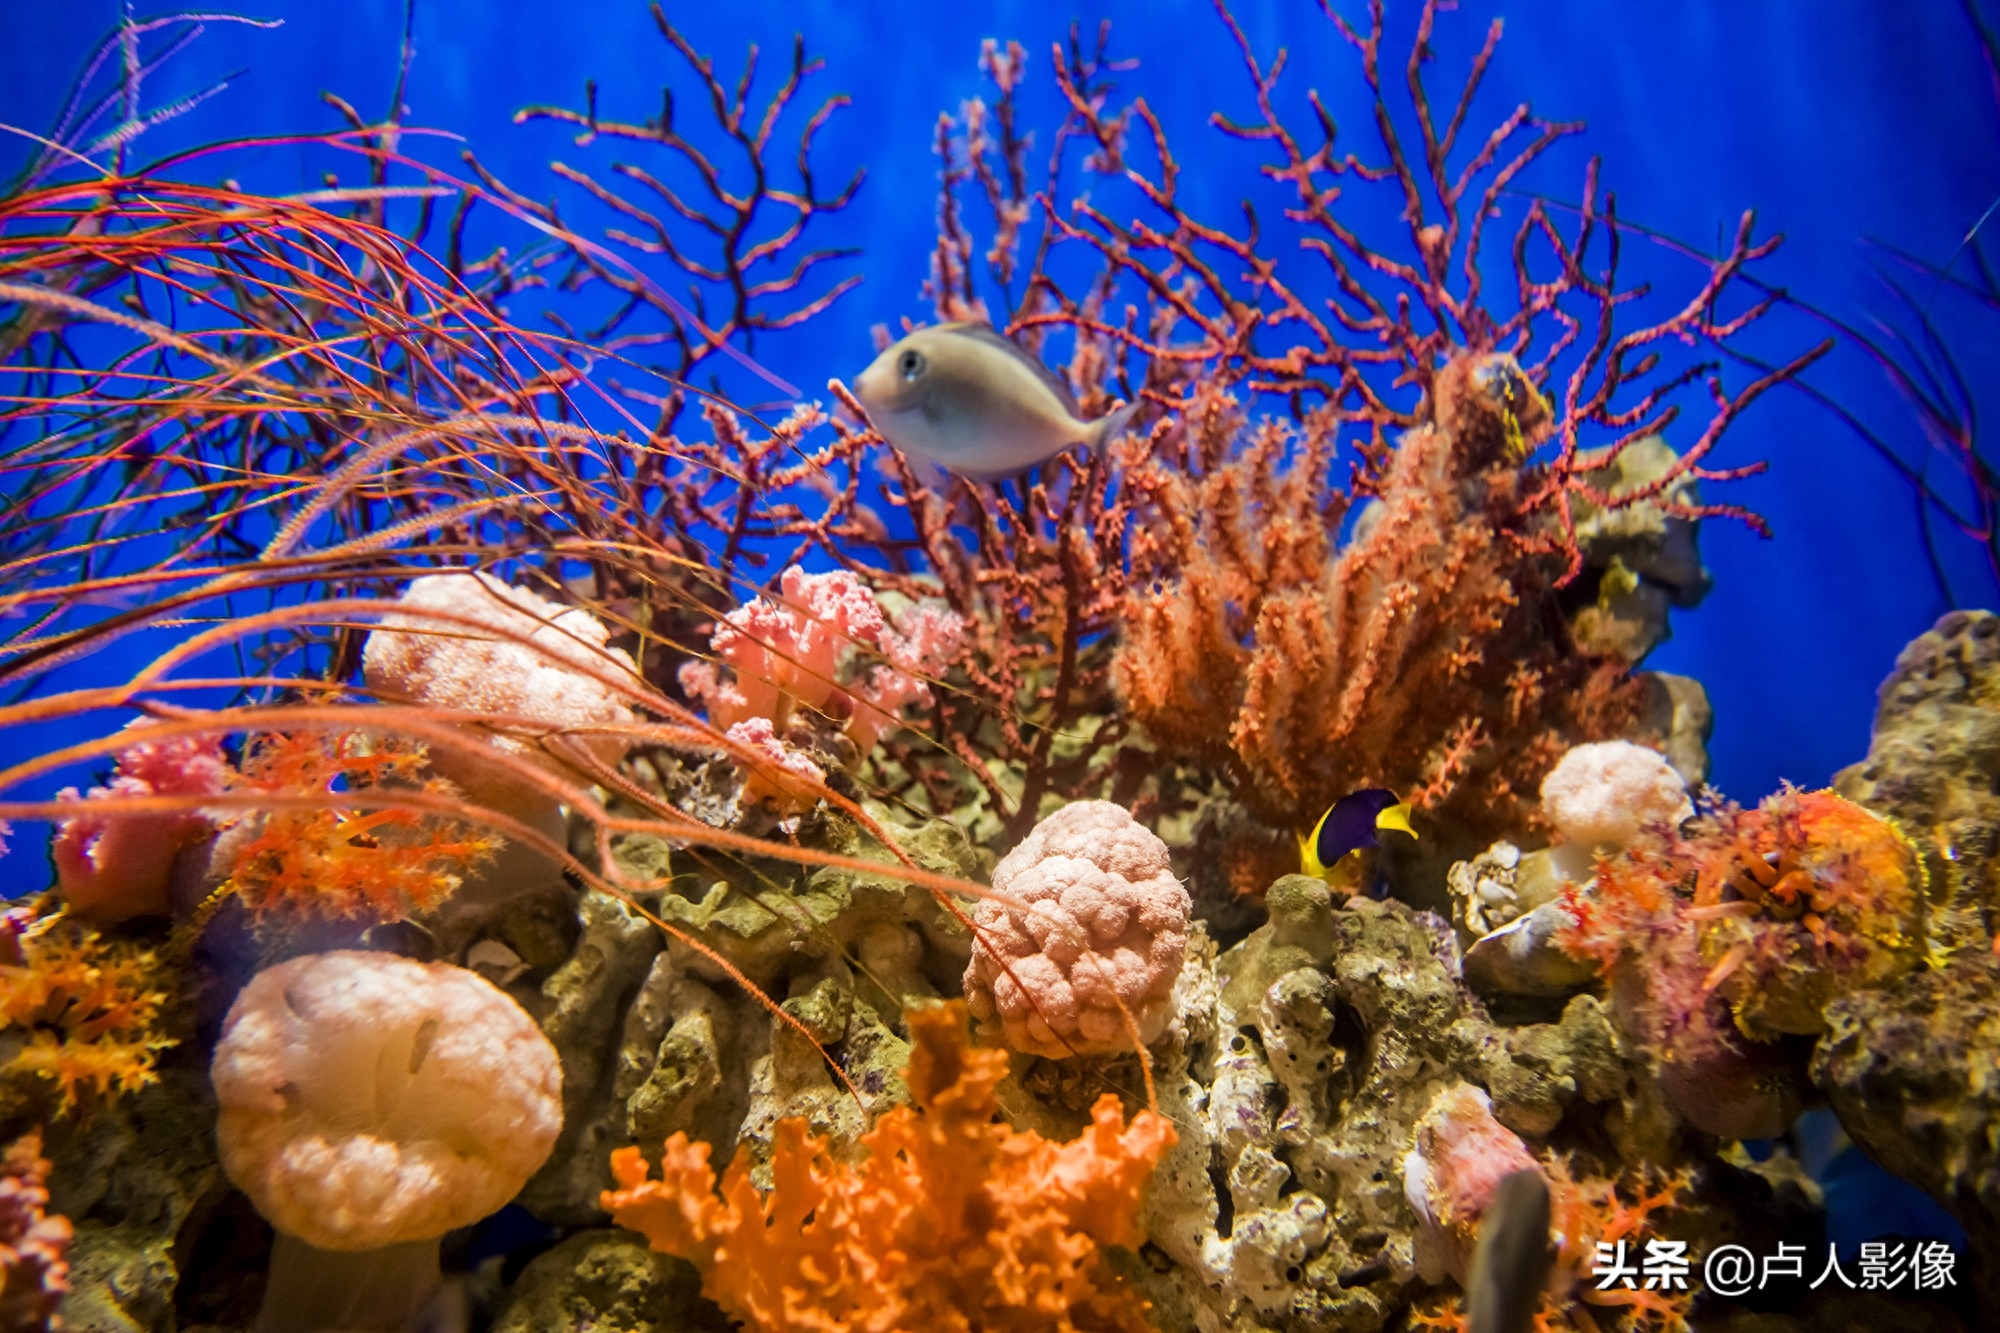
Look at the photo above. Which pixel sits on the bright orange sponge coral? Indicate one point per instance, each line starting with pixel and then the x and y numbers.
pixel 953 1222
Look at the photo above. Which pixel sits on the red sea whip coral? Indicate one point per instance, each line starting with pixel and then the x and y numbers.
pixel 953 1223
pixel 1244 640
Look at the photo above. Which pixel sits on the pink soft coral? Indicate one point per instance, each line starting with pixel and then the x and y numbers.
pixel 1103 936
pixel 794 652
pixel 1451 1176
pixel 952 1223
pixel 114 865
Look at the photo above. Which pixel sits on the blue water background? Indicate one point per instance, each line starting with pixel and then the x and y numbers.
pixel 1837 120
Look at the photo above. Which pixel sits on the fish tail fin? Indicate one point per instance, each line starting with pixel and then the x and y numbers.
pixel 1110 426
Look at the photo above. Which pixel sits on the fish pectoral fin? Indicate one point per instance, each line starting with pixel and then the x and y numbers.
pixel 1396 816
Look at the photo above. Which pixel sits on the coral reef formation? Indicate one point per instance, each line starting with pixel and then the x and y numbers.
pixel 1931 763
pixel 1081 953
pixel 580 805
pixel 1911 1074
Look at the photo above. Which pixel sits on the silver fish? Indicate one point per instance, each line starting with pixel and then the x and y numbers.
pixel 1510 1265
pixel 965 398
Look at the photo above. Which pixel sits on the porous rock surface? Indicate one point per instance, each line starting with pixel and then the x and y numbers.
pixel 1934 762
pixel 1912 1074
pixel 1296 1068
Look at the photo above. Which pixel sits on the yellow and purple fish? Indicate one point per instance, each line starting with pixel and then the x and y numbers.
pixel 1355 821
pixel 966 398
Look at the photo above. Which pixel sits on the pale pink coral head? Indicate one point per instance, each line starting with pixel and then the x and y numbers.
pixel 1097 942
pixel 521 656
pixel 1602 794
pixel 1450 1176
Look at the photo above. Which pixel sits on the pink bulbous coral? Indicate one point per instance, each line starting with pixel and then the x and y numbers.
pixel 34 1244
pixel 804 650
pixel 116 864
pixel 1449 1177
pixel 1095 948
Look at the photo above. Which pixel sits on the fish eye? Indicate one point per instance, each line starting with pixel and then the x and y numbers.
pixel 911 363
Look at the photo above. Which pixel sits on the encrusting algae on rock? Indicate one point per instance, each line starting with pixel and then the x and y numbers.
pixel 951 1221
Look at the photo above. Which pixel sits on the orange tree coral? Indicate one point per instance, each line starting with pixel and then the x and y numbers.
pixel 952 1221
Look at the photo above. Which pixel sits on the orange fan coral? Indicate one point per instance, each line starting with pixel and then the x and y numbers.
pixel 1308 672
pixel 953 1223
pixel 87 1005
pixel 335 861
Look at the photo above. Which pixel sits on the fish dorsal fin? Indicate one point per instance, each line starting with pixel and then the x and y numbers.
pixel 981 332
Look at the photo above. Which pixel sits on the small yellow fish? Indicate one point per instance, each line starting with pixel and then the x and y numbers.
pixel 965 398
pixel 1353 822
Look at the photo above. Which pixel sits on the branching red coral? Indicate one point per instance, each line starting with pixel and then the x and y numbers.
pixel 952 1222
pixel 1305 671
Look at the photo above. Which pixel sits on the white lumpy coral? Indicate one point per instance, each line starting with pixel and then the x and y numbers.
pixel 527 657
pixel 1602 794
pixel 368 1100
pixel 1102 921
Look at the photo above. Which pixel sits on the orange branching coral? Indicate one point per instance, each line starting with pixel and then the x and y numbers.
pixel 1307 672
pixel 87 1006
pixel 334 860
pixel 953 1222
